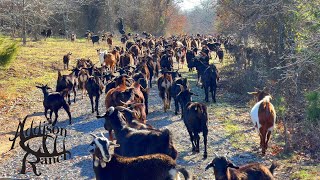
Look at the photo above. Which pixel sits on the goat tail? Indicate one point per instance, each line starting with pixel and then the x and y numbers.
pixel 273 167
pixel 185 173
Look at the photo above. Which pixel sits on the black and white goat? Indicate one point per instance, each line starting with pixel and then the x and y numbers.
pixel 112 166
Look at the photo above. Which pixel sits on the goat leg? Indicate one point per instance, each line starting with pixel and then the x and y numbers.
pixel 50 116
pixel 91 101
pixel 56 118
pixel 268 138
pixel 45 113
pixel 197 139
pixel 74 93
pixel 97 104
pixel 176 106
pixel 192 141
pixel 206 89
pixel 205 135
pixel 67 109
pixel 69 102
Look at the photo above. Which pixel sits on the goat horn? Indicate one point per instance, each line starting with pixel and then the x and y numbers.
pixel 93 135
pixel 102 134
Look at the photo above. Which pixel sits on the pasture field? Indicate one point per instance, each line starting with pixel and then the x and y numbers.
pixel 230 129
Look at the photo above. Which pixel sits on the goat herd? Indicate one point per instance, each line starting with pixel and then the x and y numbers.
pixel 125 75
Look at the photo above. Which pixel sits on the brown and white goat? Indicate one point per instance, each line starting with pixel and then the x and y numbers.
pixel 263 116
pixel 164 86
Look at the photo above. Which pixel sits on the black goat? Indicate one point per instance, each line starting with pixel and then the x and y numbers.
pixel 94 88
pixel 209 82
pixel 139 142
pixel 68 82
pixel 111 167
pixel 195 118
pixel 66 60
pixel 95 39
pixel 226 170
pixel 53 102
pixel 177 87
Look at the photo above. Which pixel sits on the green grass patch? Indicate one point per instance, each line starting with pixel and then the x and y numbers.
pixel 233 132
pixel 307 173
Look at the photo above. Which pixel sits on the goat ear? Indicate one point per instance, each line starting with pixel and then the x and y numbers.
pixel 209 166
pixel 114 144
pixel 252 93
pixel 191 93
pixel 101 116
pixel 39 87
pixel 59 75
pixel 232 165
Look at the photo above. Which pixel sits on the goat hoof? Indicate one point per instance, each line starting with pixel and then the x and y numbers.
pixel 193 150
pixel 197 150
pixel 205 155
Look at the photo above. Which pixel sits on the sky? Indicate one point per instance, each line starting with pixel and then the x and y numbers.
pixel 189 4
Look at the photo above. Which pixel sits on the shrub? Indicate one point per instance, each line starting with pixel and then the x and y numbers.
pixel 8 49
pixel 313 105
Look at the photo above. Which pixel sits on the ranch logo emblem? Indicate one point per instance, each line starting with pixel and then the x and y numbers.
pixel 42 155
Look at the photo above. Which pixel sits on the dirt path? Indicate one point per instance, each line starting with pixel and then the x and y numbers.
pixel 230 133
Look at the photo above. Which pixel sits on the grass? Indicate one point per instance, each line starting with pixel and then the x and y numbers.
pixel 307 173
pixel 38 62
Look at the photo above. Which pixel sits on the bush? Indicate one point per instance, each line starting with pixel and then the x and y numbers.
pixel 8 49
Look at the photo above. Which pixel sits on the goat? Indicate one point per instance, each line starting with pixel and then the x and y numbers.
pixel 135 51
pixel 132 117
pixel 226 170
pixel 116 96
pixel 164 86
pixel 180 55
pixel 66 60
pixel 189 57
pixel 108 166
pixel 178 86
pixel 82 80
pixel 68 82
pixel 94 39
pixel 94 88
pixel 209 82
pixel 195 118
pixel 73 37
pixel 220 54
pixel 126 59
pixel 109 42
pixel 53 102
pixel 166 61
pixel 263 116
pixel 139 142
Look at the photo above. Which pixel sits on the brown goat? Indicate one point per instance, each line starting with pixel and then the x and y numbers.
pixel 263 116
pixel 110 60
pixel 226 170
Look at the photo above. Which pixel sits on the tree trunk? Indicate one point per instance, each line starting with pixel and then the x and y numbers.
pixel 287 146
pixel 24 34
